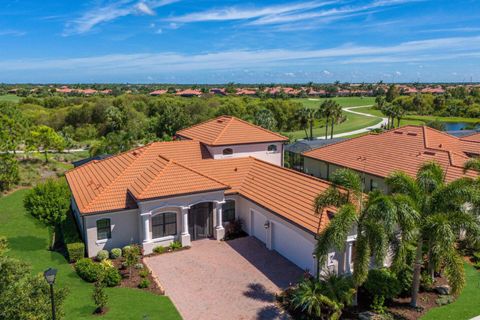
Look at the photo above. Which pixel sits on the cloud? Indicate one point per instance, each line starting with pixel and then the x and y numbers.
pixel 115 64
pixel 110 12
pixel 15 33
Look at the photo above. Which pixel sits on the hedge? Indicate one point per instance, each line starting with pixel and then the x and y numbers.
pixel 71 239
pixel 76 251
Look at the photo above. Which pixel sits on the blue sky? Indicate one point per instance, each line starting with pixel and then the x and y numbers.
pixel 187 41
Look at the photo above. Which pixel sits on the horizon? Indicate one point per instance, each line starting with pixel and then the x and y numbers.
pixel 184 42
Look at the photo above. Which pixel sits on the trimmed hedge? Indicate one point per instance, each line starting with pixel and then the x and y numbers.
pixel 112 277
pixel 75 251
pixel 115 253
pixel 102 255
pixel 88 270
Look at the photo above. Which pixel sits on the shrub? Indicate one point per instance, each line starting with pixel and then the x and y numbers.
pixel 405 278
pixel 377 305
pixel 106 264
pixel 115 253
pixel 139 266
pixel 75 251
pixel 426 281
pixel 144 284
pixel 102 255
pixel 144 273
pixel 125 249
pixel 443 300
pixel 99 297
pixel 382 282
pixel 159 249
pixel 112 277
pixel 175 245
pixel 234 230
pixel 88 270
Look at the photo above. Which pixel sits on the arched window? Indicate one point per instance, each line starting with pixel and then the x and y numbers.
pixel 104 230
pixel 227 151
pixel 228 211
pixel 272 148
pixel 164 224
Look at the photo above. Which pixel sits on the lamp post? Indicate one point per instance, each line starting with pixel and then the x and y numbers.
pixel 50 275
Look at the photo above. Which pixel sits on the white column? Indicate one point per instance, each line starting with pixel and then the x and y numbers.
pixel 219 230
pixel 185 236
pixel 146 227
pixel 348 258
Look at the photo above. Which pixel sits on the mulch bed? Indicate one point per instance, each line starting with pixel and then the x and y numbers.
pixel 132 281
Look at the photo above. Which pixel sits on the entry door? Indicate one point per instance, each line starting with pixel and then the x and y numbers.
pixel 200 221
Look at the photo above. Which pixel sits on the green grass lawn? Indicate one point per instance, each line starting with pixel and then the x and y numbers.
pixel 442 119
pixel 9 97
pixel 466 306
pixel 343 101
pixel 29 241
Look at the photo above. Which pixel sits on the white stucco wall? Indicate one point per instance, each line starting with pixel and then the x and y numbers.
pixel 324 170
pixel 257 150
pixel 124 231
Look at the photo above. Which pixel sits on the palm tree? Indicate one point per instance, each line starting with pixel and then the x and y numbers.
pixel 421 210
pixel 440 208
pixel 306 118
pixel 326 111
pixel 336 115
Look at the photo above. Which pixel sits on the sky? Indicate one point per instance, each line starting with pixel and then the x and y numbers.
pixel 198 42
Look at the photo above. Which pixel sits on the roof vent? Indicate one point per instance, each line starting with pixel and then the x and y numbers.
pixel 412 134
pixel 430 153
pixel 220 120
pixel 398 132
pixel 135 153
pixel 440 145
pixel 236 169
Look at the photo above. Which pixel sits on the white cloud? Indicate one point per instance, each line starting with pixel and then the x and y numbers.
pixel 15 33
pixel 159 31
pixel 413 51
pixel 110 12
pixel 326 72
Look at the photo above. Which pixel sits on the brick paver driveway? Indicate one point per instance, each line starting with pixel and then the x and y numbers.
pixel 237 279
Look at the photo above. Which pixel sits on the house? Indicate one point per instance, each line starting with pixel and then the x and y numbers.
pixel 189 93
pixel 185 190
pixel 230 137
pixel 375 156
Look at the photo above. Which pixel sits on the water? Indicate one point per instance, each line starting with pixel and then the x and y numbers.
pixel 454 126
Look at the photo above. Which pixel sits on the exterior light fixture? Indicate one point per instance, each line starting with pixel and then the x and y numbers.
pixel 266 225
pixel 50 274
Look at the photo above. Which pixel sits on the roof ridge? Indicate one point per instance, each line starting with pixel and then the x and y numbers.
pixel 201 123
pixel 220 134
pixel 259 127
pixel 156 176
pixel 118 176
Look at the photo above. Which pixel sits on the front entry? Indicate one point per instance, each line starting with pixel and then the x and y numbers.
pixel 200 221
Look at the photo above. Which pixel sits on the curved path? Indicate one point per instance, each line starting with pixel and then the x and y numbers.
pixel 383 122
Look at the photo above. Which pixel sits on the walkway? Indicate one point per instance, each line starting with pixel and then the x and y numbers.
pixel 383 122
pixel 236 279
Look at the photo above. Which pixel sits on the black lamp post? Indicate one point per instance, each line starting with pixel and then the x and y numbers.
pixel 50 275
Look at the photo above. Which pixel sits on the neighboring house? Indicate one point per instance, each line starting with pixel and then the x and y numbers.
pixel 230 137
pixel 187 190
pixel 293 157
pixel 375 156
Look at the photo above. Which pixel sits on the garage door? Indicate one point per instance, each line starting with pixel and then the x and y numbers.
pixel 257 226
pixel 292 246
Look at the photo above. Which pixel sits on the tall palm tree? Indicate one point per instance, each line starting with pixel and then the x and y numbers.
pixel 336 115
pixel 421 210
pixel 306 118
pixel 326 111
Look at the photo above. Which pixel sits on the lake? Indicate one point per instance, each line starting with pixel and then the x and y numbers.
pixel 455 126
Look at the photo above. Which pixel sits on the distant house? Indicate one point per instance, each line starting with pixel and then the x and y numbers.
pixel 436 90
pixel 189 93
pixel 193 188
pixel 245 92
pixel 376 156
pixel 158 92
pixel 219 91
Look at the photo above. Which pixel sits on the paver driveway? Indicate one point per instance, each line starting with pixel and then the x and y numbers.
pixel 237 279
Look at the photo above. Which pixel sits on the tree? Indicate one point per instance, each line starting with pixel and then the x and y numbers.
pixel 24 296
pixel 380 102
pixel 45 138
pixel 265 119
pixel 336 116
pixel 306 118
pixel 326 111
pixel 392 93
pixel 99 296
pixel 9 174
pixel 49 202
pixel 171 119
pixel 131 255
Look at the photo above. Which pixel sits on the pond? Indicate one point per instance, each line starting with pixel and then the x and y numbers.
pixel 455 126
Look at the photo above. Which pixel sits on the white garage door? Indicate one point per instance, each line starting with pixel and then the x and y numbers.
pixel 292 246
pixel 257 226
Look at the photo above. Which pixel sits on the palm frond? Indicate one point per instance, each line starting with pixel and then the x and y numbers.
pixel 454 271
pixel 400 182
pixel 361 260
pixel 430 177
pixel 347 179
pixel 472 164
pixel 332 197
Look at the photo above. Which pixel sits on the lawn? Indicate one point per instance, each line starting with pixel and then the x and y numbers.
pixel 466 306
pixel 353 121
pixel 29 241
pixel 9 97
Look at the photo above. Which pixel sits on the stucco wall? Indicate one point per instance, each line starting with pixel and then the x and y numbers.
pixel 303 241
pixel 324 170
pixel 124 230
pixel 258 150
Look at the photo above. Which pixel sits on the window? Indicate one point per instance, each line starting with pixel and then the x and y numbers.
pixel 104 230
pixel 164 224
pixel 373 185
pixel 227 151
pixel 272 148
pixel 228 211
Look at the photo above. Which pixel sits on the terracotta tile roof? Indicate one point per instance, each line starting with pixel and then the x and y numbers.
pixel 116 183
pixel 189 92
pixel 405 149
pixel 227 130
pixel 158 92
pixel 472 138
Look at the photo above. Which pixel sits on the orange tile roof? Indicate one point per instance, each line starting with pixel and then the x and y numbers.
pixel 472 138
pixel 227 130
pixel 116 183
pixel 405 149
